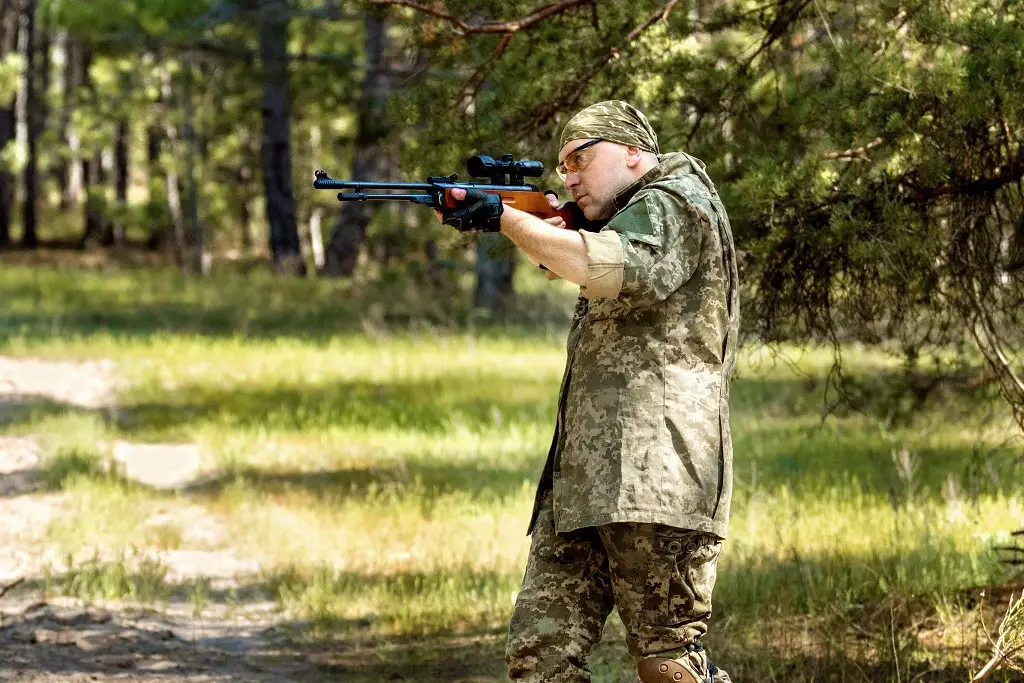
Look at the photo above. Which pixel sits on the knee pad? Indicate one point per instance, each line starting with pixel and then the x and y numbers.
pixel 662 670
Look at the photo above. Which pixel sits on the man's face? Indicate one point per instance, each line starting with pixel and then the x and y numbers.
pixel 602 171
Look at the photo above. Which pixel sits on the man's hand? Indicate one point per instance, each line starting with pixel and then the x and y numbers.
pixel 475 210
pixel 556 221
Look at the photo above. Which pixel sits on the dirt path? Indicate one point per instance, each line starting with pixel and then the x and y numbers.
pixel 62 641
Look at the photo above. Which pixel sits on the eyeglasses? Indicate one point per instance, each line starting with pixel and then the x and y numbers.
pixel 575 162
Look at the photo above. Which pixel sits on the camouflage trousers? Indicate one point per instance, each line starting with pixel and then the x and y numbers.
pixel 660 578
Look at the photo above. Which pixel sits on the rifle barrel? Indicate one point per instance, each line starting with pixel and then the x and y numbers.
pixel 325 183
pixel 331 184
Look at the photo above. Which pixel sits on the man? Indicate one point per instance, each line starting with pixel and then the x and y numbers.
pixel 633 503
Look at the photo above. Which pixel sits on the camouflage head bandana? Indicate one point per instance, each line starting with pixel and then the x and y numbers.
pixel 615 121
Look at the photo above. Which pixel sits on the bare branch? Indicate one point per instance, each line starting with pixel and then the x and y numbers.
pixel 854 152
pixel 239 51
pixel 668 11
pixel 464 28
pixel 696 126
pixel 613 52
pixel 5 589
pixel 776 30
pixel 1011 172
pixel 471 86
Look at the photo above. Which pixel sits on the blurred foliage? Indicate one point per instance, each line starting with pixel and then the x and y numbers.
pixel 869 153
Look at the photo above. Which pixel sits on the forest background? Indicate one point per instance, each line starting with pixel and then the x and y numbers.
pixel 332 363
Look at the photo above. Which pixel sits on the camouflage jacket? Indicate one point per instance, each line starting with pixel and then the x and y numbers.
pixel 642 433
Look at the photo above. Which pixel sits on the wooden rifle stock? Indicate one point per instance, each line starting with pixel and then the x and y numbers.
pixel 536 203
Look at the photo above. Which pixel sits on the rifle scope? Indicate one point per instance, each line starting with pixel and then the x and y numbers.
pixel 482 166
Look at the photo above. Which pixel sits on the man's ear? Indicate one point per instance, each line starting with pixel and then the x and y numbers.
pixel 634 155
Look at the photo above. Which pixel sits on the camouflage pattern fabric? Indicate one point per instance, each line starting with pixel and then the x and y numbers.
pixel 615 121
pixel 642 432
pixel 659 577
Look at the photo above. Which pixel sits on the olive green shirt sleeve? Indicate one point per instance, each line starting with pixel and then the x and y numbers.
pixel 647 250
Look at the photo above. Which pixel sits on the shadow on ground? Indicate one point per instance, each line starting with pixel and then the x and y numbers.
pixel 872 641
pixel 428 406
pixel 431 480
pixel 133 303
pixel 45 644
pixel 774 430
pixel 393 476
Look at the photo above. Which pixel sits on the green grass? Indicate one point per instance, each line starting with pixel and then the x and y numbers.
pixel 128 576
pixel 379 456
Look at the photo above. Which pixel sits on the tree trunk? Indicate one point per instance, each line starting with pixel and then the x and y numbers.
pixel 433 266
pixel 156 179
pixel 10 24
pixel 495 268
pixel 43 48
pixel 1016 261
pixel 96 230
pixel 369 160
pixel 93 175
pixel 154 141
pixel 122 142
pixel 277 161
pixel 199 262
pixel 117 235
pixel 30 177
pixel 244 179
pixel 244 215
pixel 316 214
pixel 171 170
pixel 71 167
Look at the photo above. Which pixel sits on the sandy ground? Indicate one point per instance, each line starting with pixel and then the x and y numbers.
pixel 59 640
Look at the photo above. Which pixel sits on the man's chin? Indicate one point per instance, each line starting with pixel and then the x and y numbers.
pixel 593 212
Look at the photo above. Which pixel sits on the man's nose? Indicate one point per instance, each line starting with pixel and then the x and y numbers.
pixel 572 179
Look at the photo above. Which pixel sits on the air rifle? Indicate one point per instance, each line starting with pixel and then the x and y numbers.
pixel 507 179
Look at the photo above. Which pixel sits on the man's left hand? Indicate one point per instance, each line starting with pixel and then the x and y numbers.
pixel 475 210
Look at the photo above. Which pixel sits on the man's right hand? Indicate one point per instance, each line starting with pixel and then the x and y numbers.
pixel 556 221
